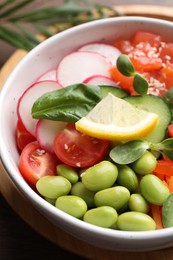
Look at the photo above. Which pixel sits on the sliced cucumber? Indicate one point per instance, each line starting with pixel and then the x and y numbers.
pixel 167 212
pixel 118 92
pixel 155 105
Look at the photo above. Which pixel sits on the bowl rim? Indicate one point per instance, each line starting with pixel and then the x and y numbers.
pixel 38 202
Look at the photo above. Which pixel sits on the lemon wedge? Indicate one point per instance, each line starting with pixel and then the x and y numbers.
pixel 117 120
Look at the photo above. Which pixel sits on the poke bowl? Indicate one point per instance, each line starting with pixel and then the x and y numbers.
pixel 85 82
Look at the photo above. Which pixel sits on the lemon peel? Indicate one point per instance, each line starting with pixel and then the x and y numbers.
pixel 115 119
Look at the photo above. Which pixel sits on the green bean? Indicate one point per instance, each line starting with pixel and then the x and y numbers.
pixel 51 201
pixel 115 197
pixel 80 190
pixel 138 203
pixel 104 216
pixel 100 176
pixel 53 186
pixel 127 177
pixel 73 205
pixel 135 221
pixel 153 189
pixel 67 172
pixel 145 164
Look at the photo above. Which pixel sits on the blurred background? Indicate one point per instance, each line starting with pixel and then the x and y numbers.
pixel 6 49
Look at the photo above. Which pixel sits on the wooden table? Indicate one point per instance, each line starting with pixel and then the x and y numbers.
pixel 25 233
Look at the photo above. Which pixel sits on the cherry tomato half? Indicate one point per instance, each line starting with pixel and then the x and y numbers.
pixel 77 149
pixel 35 163
pixel 23 137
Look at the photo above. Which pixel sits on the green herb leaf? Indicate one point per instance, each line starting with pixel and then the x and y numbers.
pixel 140 84
pixel 67 104
pixel 125 66
pixel 165 148
pixel 129 152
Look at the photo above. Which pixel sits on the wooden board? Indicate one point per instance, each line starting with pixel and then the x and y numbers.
pixel 36 220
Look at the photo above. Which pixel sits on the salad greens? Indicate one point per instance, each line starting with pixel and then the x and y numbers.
pixel 129 152
pixel 67 104
pixel 73 102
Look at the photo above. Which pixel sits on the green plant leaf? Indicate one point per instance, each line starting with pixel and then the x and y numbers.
pixel 140 84
pixel 165 148
pixel 129 152
pixel 67 104
pixel 125 66
pixel 12 9
pixel 61 17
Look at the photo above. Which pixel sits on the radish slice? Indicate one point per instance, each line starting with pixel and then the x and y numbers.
pixel 49 75
pixel 100 80
pixel 46 131
pixel 77 66
pixel 27 100
pixel 106 50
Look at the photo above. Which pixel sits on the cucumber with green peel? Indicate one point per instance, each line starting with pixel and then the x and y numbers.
pixel 118 92
pixel 167 212
pixel 157 105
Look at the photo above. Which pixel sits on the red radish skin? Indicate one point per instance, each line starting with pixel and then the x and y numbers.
pixel 46 131
pixel 27 100
pixel 109 51
pixel 77 66
pixel 49 75
pixel 100 80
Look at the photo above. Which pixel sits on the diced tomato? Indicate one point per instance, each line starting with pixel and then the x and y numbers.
pixel 170 130
pixel 166 53
pixel 155 86
pixel 143 36
pixel 124 82
pixel 145 57
pixel 77 149
pixel 167 75
pixel 35 163
pixel 145 63
pixel 123 45
pixel 23 137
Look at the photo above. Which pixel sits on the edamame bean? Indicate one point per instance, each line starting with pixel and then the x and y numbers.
pixel 73 205
pixel 115 197
pixel 127 177
pixel 135 221
pixel 81 191
pixel 67 172
pixel 104 216
pixel 145 164
pixel 153 189
pixel 53 186
pixel 51 201
pixel 138 203
pixel 100 176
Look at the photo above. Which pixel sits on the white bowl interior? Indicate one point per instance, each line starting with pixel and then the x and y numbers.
pixel 42 58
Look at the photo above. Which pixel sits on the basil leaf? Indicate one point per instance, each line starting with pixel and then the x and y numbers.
pixel 67 104
pixel 128 152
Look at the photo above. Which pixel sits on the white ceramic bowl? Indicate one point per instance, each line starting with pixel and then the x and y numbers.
pixel 39 60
